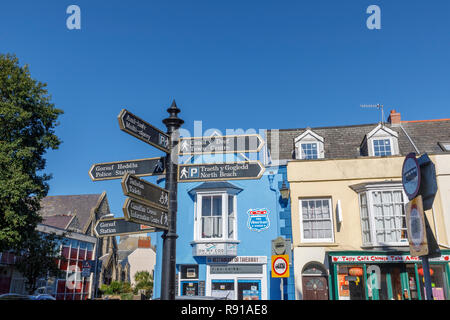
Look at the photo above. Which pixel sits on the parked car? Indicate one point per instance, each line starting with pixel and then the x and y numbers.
pixel 14 296
pixel 43 297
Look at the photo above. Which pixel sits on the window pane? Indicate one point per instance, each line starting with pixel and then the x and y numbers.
pixel 230 205
pixel 217 206
pixel 206 206
pixel 206 227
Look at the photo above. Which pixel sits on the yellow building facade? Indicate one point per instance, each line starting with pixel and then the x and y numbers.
pixel 349 232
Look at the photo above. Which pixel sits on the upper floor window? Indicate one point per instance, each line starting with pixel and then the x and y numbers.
pixel 383 217
pixel 382 147
pixel 381 141
pixel 216 217
pixel 215 211
pixel 309 145
pixel 316 220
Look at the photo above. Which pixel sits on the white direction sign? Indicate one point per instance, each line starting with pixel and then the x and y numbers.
pixel 221 144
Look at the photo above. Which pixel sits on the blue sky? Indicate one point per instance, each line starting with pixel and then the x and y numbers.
pixel 231 64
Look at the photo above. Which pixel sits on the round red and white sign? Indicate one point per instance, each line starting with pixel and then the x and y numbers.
pixel 280 266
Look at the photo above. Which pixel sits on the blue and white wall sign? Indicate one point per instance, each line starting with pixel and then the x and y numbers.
pixel 258 219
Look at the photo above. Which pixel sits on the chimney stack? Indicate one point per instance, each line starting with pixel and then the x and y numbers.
pixel 395 118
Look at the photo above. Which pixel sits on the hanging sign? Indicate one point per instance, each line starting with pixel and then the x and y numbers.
pixel 415 222
pixel 411 176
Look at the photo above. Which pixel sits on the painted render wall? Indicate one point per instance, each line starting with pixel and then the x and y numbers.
pixel 256 194
pixel 333 178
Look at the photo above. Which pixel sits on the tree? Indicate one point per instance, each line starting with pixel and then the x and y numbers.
pixel 27 122
pixel 39 257
pixel 144 281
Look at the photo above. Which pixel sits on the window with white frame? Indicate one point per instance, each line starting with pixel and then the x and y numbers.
pixel 309 151
pixel 382 147
pixel 216 216
pixel 316 220
pixel 383 218
pixel 309 145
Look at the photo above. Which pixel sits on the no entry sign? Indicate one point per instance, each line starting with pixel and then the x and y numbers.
pixel 280 266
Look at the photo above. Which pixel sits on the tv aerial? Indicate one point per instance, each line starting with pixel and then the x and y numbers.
pixel 378 106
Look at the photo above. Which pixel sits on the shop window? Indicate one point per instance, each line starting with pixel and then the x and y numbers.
pixel 316 220
pixel 351 282
pixel 382 214
pixel 438 281
pixel 223 289
pixel 249 290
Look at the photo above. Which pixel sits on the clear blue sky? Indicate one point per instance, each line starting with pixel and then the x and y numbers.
pixel 231 64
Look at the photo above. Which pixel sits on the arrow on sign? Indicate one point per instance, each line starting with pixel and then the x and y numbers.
pixel 142 130
pixel 221 144
pixel 220 171
pixel 117 169
pixel 142 190
pixel 140 212
pixel 119 226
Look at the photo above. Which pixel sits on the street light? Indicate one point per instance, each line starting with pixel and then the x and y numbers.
pixel 284 191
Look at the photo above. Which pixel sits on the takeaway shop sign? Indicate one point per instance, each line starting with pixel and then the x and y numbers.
pixel 385 258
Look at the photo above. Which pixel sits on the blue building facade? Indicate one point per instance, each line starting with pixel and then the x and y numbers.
pixel 225 231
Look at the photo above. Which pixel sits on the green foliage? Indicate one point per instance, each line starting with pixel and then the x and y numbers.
pixel 27 122
pixel 144 281
pixel 116 288
pixel 38 258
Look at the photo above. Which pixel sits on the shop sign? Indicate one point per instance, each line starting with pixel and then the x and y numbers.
pixel 237 259
pixel 258 219
pixel 385 259
pixel 214 249
pixel 415 223
pixel 236 269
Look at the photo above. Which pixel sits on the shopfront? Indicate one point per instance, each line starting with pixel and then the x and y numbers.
pixel 238 278
pixel 386 276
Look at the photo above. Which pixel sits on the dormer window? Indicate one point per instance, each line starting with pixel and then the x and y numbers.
pixel 309 145
pixel 380 142
pixel 382 147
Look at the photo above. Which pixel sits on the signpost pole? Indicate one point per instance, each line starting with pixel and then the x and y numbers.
pixel 168 280
pixel 427 277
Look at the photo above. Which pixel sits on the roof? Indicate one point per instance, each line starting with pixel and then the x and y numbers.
pixel 345 141
pixel 59 211
pixel 214 185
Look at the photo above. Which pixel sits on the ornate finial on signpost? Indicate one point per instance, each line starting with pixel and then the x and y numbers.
pixel 173 122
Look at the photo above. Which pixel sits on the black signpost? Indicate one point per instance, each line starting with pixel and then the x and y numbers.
pixel 221 144
pixel 117 169
pixel 119 226
pixel 220 171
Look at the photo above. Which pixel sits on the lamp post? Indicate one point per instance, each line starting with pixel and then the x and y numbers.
pixel 172 123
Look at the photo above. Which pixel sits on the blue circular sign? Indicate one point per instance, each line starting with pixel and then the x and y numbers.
pixel 411 176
